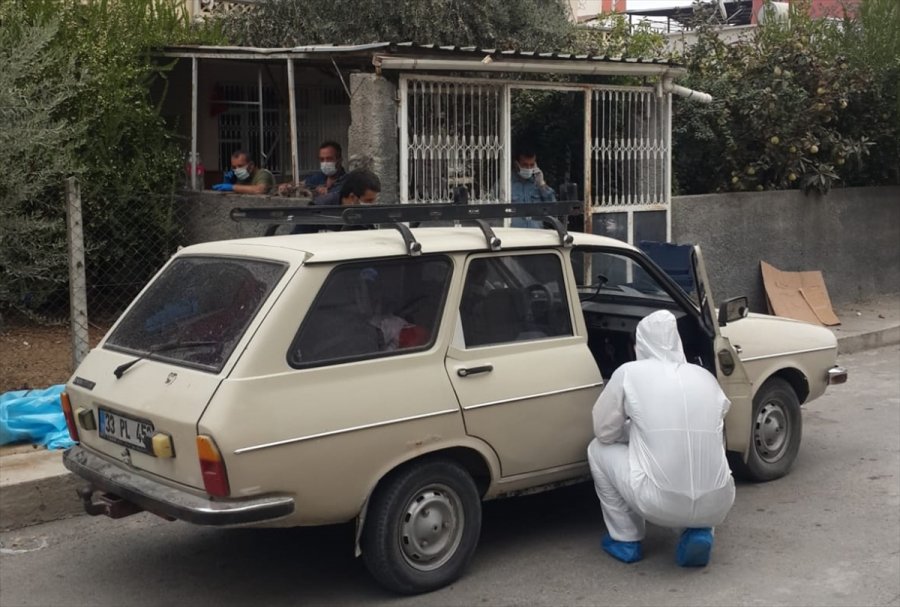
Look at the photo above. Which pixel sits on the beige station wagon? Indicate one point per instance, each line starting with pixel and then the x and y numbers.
pixel 397 378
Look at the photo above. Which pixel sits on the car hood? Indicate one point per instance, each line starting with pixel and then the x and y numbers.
pixel 761 335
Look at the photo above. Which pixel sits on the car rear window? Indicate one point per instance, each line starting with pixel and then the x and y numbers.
pixel 372 309
pixel 196 311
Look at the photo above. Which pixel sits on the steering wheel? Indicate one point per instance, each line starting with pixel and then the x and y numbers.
pixel 601 280
pixel 538 293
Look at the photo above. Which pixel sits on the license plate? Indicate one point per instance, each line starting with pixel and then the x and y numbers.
pixel 127 431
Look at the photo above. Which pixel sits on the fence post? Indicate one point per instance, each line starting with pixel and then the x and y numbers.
pixel 78 315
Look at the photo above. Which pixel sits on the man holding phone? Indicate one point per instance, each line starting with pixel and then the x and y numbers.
pixel 528 185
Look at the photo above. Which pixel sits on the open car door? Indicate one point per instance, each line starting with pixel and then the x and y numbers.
pixel 729 369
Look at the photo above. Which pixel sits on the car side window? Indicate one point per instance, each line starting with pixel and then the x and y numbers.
pixel 370 309
pixel 514 298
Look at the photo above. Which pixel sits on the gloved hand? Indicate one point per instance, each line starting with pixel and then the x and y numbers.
pixel 539 178
pixel 229 177
pixel 223 187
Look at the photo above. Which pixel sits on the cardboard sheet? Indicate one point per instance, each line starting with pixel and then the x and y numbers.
pixel 799 295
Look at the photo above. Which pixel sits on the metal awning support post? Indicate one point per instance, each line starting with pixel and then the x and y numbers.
pixel 263 161
pixel 403 121
pixel 192 165
pixel 506 132
pixel 669 169
pixel 292 100
pixel 588 164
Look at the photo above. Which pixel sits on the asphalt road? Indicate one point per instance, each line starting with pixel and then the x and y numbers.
pixel 828 534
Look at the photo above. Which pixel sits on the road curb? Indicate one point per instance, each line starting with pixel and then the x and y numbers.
pixel 35 487
pixel 869 341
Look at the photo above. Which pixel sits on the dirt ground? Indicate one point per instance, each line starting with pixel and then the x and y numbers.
pixel 35 356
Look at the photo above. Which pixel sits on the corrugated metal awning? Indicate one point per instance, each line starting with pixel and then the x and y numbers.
pixel 326 52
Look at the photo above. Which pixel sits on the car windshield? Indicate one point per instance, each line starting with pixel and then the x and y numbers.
pixel 614 274
pixel 197 300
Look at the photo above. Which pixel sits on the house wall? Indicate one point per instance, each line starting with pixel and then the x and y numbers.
pixel 852 235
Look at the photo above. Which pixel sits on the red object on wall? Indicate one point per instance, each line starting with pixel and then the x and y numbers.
pixel 613 6
pixel 217 104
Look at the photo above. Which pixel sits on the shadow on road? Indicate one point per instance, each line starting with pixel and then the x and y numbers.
pixel 317 563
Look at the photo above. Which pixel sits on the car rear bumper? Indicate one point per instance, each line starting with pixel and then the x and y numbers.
pixel 164 500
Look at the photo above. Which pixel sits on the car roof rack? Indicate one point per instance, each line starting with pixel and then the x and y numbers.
pixel 397 215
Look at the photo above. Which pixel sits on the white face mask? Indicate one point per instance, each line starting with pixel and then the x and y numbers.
pixel 526 173
pixel 328 168
pixel 242 173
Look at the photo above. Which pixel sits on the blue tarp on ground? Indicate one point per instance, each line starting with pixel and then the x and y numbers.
pixel 34 416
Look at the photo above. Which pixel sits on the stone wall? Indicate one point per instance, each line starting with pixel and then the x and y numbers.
pixel 852 235
pixel 206 216
pixel 373 139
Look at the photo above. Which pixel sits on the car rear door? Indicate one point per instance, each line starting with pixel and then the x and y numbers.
pixel 161 364
pixel 525 380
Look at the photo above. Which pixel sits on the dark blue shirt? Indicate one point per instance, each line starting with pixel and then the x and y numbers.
pixel 333 196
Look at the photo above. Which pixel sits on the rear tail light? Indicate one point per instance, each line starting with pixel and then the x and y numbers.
pixel 70 417
pixel 215 478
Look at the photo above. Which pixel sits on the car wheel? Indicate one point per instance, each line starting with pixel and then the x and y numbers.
pixel 776 432
pixel 422 527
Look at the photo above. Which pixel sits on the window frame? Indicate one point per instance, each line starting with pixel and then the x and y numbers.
pixel 459 339
pixel 161 356
pixel 367 263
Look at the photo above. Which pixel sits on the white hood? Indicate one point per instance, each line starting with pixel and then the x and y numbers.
pixel 657 338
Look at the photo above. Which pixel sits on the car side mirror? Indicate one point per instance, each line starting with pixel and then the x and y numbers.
pixel 733 309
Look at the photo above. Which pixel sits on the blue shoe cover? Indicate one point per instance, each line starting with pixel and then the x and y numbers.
pixel 694 548
pixel 627 552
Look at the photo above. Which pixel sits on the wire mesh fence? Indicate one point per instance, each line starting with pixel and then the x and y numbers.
pixel 66 279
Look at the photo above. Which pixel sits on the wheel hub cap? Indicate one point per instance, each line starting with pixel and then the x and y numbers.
pixel 771 432
pixel 431 528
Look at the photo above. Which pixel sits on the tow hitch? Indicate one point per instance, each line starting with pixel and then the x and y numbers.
pixel 111 505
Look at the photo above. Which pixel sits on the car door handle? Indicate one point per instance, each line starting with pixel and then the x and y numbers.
pixel 473 370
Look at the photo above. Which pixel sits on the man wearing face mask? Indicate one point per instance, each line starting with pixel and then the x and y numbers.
pixel 245 177
pixel 359 187
pixel 528 186
pixel 325 184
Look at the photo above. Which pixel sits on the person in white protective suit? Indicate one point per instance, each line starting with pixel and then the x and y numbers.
pixel 658 454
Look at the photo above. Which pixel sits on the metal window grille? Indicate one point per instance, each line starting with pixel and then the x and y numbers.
pixel 323 114
pixel 239 125
pixel 455 131
pixel 629 151
pixel 455 136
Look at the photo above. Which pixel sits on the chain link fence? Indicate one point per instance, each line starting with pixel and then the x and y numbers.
pixel 66 279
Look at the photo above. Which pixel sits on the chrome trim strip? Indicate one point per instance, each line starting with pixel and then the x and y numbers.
pixel 299 439
pixel 530 396
pixel 746 360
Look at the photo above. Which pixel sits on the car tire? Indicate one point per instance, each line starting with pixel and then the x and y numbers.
pixel 776 433
pixel 422 527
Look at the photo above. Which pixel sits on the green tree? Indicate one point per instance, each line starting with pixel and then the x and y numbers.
pixel 525 24
pixel 791 109
pixel 75 95
pixel 37 148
